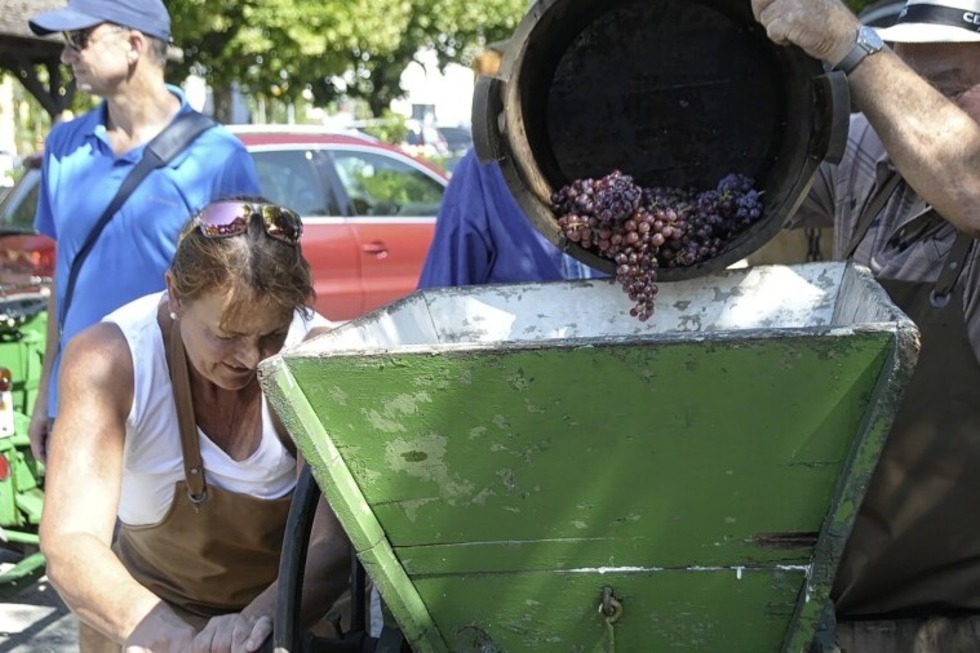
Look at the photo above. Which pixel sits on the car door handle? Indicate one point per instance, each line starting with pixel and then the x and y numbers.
pixel 377 248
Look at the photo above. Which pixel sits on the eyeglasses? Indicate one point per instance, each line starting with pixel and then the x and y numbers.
pixel 227 219
pixel 79 39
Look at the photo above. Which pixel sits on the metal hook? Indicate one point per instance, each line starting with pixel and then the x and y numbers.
pixel 610 606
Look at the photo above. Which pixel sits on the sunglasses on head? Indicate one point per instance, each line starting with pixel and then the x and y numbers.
pixel 227 219
pixel 79 39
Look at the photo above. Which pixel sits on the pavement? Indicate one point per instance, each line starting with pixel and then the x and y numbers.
pixel 36 620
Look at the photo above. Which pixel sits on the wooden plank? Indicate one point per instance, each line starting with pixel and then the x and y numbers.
pixel 699 448
pixel 565 555
pixel 693 610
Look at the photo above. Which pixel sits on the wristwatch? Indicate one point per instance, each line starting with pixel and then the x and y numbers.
pixel 867 42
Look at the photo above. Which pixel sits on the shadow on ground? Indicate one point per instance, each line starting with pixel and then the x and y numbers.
pixel 36 620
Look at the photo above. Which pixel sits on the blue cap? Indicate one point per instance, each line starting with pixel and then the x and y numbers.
pixel 147 16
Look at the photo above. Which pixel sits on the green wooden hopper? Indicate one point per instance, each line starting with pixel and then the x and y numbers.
pixel 527 468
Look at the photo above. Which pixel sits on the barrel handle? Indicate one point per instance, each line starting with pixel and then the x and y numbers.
pixel 487 109
pixel 833 99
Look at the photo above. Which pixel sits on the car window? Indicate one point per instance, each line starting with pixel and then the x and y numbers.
pixel 378 184
pixel 18 204
pixel 287 177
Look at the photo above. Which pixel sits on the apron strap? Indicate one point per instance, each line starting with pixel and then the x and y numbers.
pixel 871 212
pixel 191 448
pixel 952 268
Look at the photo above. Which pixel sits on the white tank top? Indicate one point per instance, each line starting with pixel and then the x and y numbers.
pixel 152 457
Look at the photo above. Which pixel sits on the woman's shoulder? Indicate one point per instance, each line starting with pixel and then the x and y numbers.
pixel 100 353
pixel 136 328
pixel 141 311
pixel 303 324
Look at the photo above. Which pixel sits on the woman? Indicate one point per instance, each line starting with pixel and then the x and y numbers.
pixel 201 511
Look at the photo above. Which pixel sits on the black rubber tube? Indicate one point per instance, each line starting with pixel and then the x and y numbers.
pixel 296 542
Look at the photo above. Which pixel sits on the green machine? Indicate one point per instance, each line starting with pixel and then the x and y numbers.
pixel 23 330
pixel 528 468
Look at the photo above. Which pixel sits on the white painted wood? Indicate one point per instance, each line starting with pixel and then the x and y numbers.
pixel 826 296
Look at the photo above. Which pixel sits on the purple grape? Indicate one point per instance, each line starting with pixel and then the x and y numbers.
pixel 643 229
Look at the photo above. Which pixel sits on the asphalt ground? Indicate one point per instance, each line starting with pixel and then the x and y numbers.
pixel 36 620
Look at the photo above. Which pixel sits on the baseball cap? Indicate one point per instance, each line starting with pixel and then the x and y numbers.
pixel 147 16
pixel 935 21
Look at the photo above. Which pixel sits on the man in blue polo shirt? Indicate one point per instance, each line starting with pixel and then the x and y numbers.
pixel 117 50
pixel 483 237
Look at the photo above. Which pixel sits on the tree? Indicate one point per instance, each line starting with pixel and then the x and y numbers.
pixel 857 6
pixel 276 49
pixel 454 29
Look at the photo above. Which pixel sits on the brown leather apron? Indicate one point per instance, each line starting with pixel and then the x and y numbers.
pixel 914 550
pixel 215 550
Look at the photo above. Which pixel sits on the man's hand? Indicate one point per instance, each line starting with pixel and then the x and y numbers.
pixel 824 29
pixel 233 633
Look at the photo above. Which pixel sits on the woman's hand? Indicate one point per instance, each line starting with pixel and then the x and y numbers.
pixel 233 633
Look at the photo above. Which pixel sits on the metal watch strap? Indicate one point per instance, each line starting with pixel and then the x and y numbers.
pixel 853 58
pixel 865 43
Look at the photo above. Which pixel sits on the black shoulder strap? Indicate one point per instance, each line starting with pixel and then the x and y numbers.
pixel 952 266
pixel 180 133
pixel 871 212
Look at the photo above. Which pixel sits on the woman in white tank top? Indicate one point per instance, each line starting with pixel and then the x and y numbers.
pixel 201 503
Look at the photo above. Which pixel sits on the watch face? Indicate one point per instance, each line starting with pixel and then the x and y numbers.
pixel 869 39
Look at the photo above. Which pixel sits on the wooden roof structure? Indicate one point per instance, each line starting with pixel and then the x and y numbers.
pixel 26 55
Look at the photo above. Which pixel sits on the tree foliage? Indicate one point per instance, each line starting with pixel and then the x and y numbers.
pixel 857 6
pixel 281 48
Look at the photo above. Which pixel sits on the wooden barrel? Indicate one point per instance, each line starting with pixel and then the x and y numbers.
pixel 672 92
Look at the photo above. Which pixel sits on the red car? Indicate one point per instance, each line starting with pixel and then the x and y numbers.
pixel 368 209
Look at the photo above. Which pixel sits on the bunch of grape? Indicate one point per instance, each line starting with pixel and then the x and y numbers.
pixel 643 229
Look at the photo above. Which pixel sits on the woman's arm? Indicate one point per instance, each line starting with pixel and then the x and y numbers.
pixel 82 485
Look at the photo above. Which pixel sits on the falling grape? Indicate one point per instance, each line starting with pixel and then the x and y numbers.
pixel 644 229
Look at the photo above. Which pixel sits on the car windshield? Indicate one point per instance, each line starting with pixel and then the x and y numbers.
pixel 17 205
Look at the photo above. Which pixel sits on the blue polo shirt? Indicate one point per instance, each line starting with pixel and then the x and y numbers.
pixel 80 175
pixel 483 237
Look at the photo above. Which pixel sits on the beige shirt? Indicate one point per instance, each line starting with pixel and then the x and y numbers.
pixel 907 242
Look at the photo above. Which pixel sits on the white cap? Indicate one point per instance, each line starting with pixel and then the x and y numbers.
pixel 935 21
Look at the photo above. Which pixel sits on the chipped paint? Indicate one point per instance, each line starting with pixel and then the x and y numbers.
pixel 412 506
pixel 423 457
pixel 532 407
pixel 337 395
pixel 389 420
